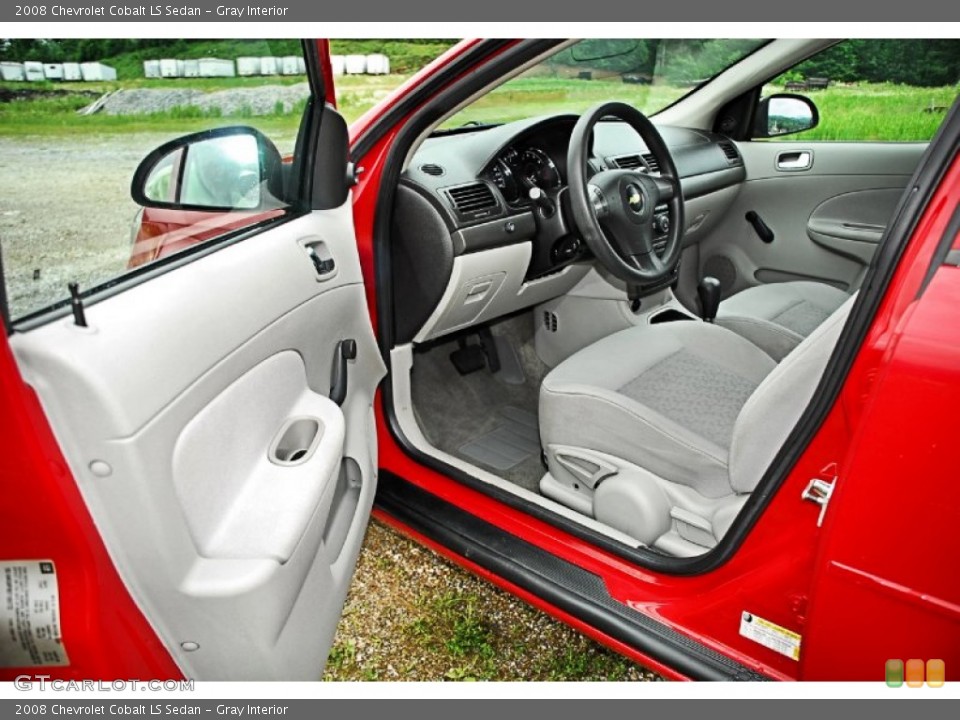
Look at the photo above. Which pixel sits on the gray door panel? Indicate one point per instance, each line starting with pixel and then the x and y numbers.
pixel 853 223
pixel 826 203
pixel 231 492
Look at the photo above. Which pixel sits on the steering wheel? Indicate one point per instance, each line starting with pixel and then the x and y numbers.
pixel 613 210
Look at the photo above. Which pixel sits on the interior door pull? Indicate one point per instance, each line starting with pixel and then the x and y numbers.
pixel 346 350
pixel 762 230
pixel 794 161
pixel 323 266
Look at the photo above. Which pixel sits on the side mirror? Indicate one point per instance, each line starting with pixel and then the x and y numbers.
pixel 784 114
pixel 222 170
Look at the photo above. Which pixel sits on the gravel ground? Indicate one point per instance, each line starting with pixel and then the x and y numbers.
pixel 412 615
pixel 261 100
pixel 65 214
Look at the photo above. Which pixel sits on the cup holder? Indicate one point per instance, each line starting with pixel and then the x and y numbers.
pixel 296 441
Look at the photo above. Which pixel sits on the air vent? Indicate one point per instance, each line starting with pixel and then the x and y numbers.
pixel 733 157
pixel 473 201
pixel 651 162
pixel 550 321
pixel 628 162
pixel 431 169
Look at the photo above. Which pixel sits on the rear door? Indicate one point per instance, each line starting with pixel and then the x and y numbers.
pixel 215 411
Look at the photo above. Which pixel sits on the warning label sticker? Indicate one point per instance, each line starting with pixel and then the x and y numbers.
pixel 30 615
pixel 770 635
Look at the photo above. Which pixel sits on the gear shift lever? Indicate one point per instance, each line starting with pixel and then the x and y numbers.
pixel 709 293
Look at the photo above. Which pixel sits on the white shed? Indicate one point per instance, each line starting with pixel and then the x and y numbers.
pixel 191 69
pixel 71 72
pixel 94 71
pixel 12 71
pixel 53 71
pixel 216 67
pixel 338 64
pixel 301 66
pixel 151 68
pixel 378 64
pixel 288 65
pixel 248 66
pixel 355 64
pixel 170 68
pixel 269 65
pixel 33 71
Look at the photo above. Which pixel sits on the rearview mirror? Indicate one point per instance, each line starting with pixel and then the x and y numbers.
pixel 222 170
pixel 784 114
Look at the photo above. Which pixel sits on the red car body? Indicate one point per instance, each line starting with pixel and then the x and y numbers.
pixel 873 583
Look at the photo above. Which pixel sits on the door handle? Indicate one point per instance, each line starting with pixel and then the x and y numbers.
pixel 323 266
pixel 762 230
pixel 795 161
pixel 320 256
pixel 346 350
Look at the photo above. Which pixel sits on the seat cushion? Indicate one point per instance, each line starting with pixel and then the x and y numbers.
pixel 776 317
pixel 664 397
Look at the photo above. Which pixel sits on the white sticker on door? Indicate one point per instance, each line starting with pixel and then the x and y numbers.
pixel 770 635
pixel 30 615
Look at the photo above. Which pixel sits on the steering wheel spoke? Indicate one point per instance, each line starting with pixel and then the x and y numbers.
pixel 598 202
pixel 614 210
pixel 667 186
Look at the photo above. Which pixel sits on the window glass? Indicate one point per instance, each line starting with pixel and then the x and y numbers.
pixel 69 149
pixel 648 74
pixel 876 90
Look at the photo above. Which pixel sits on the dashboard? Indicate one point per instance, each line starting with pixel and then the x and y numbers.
pixel 471 191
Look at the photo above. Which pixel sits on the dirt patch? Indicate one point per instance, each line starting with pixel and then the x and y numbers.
pixel 13 94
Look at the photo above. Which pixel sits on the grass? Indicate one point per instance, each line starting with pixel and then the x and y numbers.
pixel 526 97
pixel 412 616
pixel 879 112
pixel 52 110
pixel 457 632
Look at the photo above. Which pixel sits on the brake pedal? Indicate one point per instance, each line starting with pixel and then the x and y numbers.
pixel 468 358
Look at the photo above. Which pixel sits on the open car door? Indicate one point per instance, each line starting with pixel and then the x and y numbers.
pixel 215 418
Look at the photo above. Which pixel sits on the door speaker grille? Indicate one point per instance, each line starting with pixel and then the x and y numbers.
pixel 723 269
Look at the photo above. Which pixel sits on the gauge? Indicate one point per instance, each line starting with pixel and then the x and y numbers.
pixel 538 169
pixel 503 177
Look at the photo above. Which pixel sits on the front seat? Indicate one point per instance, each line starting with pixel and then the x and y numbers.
pixel 663 431
pixel 777 316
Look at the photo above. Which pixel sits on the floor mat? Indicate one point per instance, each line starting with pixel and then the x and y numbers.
pixel 516 439
pixel 457 412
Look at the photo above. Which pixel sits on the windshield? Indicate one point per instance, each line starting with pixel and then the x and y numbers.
pixel 648 74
